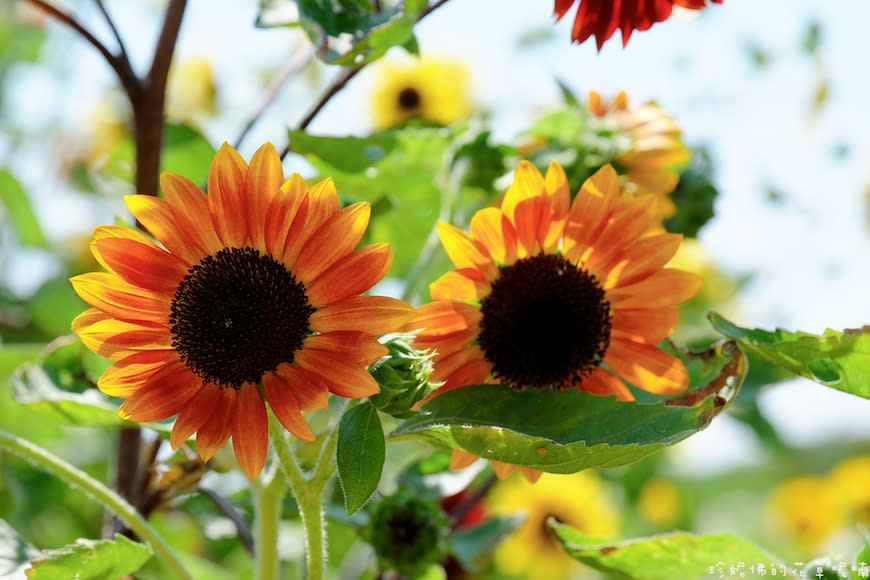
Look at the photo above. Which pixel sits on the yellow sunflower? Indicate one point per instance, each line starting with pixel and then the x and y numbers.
pixel 806 509
pixel 430 89
pixel 551 294
pixel 251 296
pixel 581 501
pixel 653 152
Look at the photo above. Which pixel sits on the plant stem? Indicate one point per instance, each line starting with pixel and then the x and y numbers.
pixel 267 505
pixel 111 500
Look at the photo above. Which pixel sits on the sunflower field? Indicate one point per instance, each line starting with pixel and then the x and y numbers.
pixel 430 289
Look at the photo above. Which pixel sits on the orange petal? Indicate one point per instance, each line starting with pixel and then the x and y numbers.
pixel 556 182
pixel 130 373
pixel 590 212
pixel 451 362
pixel 250 430
pixel 495 231
pixel 164 394
pixel 142 265
pixel 462 284
pixel 664 288
pixel 345 380
pixel 351 275
pixel 357 347
pixel 474 372
pixel 466 252
pixel 649 325
pixel 320 203
pixel 647 367
pixel 502 470
pixel 625 228
pixel 461 459
pixel 640 260
pixel 190 211
pixel 531 475
pixel 217 429
pixel 528 183
pixel 264 178
pixel 120 299
pixel 602 382
pixel 195 414
pixel 281 213
pixel 310 389
pixel 372 314
pixel 335 239
pixel 443 318
pixel 285 405
pixel 116 339
pixel 530 216
pixel 226 192
pixel 157 217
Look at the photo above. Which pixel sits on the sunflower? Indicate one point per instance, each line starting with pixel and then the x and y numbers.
pixel 251 296
pixel 581 501
pixel 652 153
pixel 601 18
pixel 806 509
pixel 551 294
pixel 430 89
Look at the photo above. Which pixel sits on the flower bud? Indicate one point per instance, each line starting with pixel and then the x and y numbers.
pixel 403 377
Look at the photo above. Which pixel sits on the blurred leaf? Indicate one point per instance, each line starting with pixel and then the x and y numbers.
pixel 484 162
pixel 20 212
pixel 568 431
pixel 811 40
pixel 564 124
pixel 469 544
pixel 15 552
pixel 347 32
pixel 820 96
pixel 91 560
pixel 18 43
pixel 33 387
pixel 694 196
pixel 757 54
pixel 840 360
pixel 186 152
pixel 351 154
pixel 54 306
pixel 361 454
pixel 676 555
pixel 535 36
pixel 13 356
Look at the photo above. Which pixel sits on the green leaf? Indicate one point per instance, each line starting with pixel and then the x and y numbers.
pixel 676 555
pixel 351 154
pixel 568 431
pixel 467 544
pixel 91 560
pixel 694 196
pixel 20 212
pixel 360 456
pixel 15 552
pixel 186 152
pixel 54 306
pixel 840 360
pixel 349 32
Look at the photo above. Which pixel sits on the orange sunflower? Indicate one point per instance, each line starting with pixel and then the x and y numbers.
pixel 552 294
pixel 252 295
pixel 601 18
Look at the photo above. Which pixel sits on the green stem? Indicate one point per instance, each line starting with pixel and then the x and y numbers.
pixel 267 506
pixel 74 476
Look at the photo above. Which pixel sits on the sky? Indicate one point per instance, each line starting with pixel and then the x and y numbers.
pixel 805 253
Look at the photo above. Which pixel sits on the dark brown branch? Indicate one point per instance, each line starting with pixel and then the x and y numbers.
pixel 122 50
pixel 230 511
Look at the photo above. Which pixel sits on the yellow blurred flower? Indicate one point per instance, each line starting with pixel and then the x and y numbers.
pixel 659 502
pixel 108 129
pixel 581 500
pixel 191 91
pixel 434 90
pixel 849 478
pixel 806 509
pixel 652 154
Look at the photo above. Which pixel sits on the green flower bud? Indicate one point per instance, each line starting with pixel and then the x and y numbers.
pixel 403 377
pixel 409 533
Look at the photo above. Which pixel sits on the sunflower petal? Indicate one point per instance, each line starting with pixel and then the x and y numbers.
pixel 121 300
pixel 460 459
pixel 130 373
pixel 602 382
pixel 163 394
pixel 285 405
pixel 195 414
pixel 372 314
pixel 528 183
pixel 335 239
pixel 461 284
pixel 143 265
pixel 497 233
pixel 190 212
pixel 217 429
pixel 250 430
pixel 116 339
pixel 443 318
pixel 647 367
pixel 226 187
pixel 466 252
pixel 649 325
pixel 664 288
pixel 157 217
pixel 357 347
pixel 346 380
pixel 264 178
pixel 641 259
pixel 282 213
pixel 310 389
pixel 352 275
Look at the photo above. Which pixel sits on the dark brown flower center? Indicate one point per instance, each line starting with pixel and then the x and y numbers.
pixel 409 99
pixel 238 314
pixel 545 323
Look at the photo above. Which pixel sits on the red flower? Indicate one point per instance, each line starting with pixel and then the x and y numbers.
pixel 602 17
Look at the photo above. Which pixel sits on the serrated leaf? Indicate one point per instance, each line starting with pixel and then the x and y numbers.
pixel 15 552
pixel 840 360
pixel 17 207
pixel 91 560
pixel 360 456
pixel 351 154
pixel 568 431
pixel 664 557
